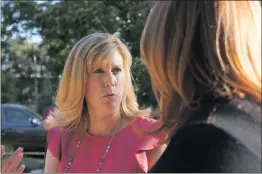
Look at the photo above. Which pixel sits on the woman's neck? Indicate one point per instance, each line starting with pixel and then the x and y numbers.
pixel 104 126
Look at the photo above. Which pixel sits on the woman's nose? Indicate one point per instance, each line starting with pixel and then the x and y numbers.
pixel 110 80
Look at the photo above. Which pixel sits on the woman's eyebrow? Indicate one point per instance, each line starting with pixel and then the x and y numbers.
pixel 118 64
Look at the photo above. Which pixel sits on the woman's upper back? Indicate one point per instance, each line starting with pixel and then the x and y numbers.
pixel 227 139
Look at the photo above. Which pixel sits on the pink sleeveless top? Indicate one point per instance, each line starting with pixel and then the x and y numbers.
pixel 126 155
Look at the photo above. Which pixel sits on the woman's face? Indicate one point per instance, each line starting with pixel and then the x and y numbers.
pixel 105 85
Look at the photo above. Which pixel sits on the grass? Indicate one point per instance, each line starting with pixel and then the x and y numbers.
pixel 29 162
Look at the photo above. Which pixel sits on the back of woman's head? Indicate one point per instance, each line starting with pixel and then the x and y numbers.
pixel 192 47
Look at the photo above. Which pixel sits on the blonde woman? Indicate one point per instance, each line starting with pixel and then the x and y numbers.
pixel 97 124
pixel 204 59
pixel 97 116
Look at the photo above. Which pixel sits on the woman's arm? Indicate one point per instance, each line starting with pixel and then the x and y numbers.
pixel 51 163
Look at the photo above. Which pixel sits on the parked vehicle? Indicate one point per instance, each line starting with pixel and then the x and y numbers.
pixel 21 127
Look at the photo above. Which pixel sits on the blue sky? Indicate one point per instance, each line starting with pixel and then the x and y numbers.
pixel 35 39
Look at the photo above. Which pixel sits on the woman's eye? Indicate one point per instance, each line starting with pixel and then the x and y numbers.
pixel 117 69
pixel 98 71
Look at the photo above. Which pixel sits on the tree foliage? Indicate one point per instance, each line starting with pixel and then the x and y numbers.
pixel 61 24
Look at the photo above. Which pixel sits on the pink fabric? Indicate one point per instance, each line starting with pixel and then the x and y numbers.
pixel 127 153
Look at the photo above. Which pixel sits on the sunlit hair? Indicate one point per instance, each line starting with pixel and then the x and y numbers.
pixel 194 47
pixel 70 102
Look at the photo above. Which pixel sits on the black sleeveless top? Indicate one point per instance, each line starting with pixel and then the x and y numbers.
pixel 222 141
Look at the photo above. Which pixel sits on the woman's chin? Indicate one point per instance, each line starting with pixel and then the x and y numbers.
pixel 112 106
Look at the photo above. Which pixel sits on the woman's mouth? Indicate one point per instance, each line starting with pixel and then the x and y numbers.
pixel 110 95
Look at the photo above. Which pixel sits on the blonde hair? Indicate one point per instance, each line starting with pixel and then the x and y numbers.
pixel 70 101
pixel 192 47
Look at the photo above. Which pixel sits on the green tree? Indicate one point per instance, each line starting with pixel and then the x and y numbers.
pixel 18 71
pixel 8 89
pixel 63 23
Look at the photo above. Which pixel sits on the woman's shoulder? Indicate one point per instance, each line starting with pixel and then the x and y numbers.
pixel 147 126
pixel 56 139
pixel 57 131
pixel 228 139
pixel 240 119
pixel 55 135
pixel 206 148
pixel 145 129
pixel 145 123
